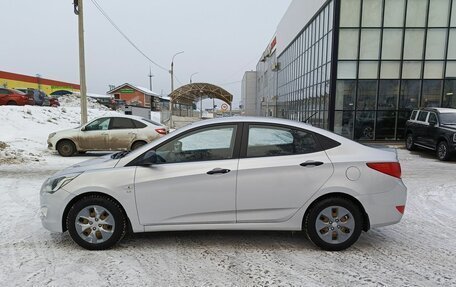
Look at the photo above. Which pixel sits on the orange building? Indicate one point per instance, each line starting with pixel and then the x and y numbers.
pixel 18 81
pixel 134 95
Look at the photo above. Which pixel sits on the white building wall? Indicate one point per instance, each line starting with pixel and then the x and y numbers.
pixel 297 16
pixel 249 97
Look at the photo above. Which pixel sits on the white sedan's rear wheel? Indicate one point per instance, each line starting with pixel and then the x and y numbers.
pixel 334 224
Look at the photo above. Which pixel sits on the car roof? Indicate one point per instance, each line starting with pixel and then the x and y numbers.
pixel 439 110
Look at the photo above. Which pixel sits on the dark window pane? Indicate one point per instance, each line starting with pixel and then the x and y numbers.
pixel 413 116
pixel 402 118
pixel 432 91
pixel 364 127
pixel 449 95
pixel 367 94
pixel 386 124
pixel 422 116
pixel 278 141
pixel 410 93
pixel 139 125
pixel 343 123
pixel 388 94
pixel 345 95
pixel 121 124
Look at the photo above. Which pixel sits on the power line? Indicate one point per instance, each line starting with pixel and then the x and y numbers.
pixel 125 36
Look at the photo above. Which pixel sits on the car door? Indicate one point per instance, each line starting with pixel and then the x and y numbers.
pixel 432 131
pixel 421 128
pixel 3 97
pixel 95 136
pixel 280 169
pixel 122 132
pixel 195 180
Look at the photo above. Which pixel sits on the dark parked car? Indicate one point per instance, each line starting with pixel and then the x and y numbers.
pixel 39 97
pixel 14 97
pixel 434 129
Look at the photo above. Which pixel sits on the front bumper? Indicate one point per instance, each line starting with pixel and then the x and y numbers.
pixel 52 207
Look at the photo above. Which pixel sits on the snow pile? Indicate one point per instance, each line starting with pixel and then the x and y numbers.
pixel 24 130
pixel 75 101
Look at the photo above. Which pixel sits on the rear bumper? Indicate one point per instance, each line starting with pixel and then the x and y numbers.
pixel 382 208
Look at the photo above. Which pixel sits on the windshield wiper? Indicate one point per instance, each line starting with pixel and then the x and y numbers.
pixel 119 155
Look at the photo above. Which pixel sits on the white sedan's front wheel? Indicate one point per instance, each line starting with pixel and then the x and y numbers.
pixel 96 222
pixel 334 224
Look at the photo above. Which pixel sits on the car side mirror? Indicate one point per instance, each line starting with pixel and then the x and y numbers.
pixel 149 158
pixel 432 123
pixel 83 129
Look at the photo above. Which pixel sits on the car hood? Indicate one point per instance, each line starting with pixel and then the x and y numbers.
pixel 450 127
pixel 102 162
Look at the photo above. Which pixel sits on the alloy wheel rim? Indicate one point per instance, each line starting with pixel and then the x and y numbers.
pixel 409 141
pixel 335 224
pixel 95 224
pixel 442 151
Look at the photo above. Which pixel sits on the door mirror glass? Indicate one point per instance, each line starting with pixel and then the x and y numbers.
pixel 149 158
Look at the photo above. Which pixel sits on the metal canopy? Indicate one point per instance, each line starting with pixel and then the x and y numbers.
pixel 191 93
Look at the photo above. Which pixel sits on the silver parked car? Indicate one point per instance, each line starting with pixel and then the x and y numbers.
pixel 107 134
pixel 232 174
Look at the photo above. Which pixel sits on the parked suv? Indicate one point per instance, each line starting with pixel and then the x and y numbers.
pixel 434 129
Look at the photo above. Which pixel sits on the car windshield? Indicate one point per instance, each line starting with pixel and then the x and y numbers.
pixel 448 118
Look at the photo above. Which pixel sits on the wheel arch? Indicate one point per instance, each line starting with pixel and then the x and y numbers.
pixel 82 195
pixel 67 139
pixel 366 220
pixel 137 141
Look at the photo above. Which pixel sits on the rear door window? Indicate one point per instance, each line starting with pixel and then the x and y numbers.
pixel 122 124
pixel 266 141
pixel 139 125
pixel 422 116
pixel 413 116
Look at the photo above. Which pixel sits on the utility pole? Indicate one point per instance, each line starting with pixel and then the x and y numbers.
pixel 150 78
pixel 172 90
pixel 79 10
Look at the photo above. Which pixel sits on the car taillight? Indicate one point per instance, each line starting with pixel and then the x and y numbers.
pixel 161 131
pixel 401 209
pixel 389 168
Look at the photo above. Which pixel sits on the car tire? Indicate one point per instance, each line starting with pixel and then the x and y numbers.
pixel 410 142
pixel 66 148
pixel 96 222
pixel 333 224
pixel 443 152
pixel 11 103
pixel 138 144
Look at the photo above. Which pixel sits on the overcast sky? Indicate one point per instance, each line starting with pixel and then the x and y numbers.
pixel 221 40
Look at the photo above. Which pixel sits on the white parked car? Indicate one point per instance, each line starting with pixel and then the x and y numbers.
pixel 232 174
pixel 112 133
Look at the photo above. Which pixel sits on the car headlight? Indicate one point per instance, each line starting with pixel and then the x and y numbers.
pixel 52 135
pixel 51 185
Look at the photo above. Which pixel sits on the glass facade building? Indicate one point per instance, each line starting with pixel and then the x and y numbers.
pixel 359 67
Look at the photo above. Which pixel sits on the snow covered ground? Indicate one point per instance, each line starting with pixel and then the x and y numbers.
pixel 419 251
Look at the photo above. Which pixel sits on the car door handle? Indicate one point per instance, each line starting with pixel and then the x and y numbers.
pixel 218 171
pixel 311 163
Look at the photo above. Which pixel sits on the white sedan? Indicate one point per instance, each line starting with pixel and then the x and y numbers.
pixel 232 174
pixel 112 133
